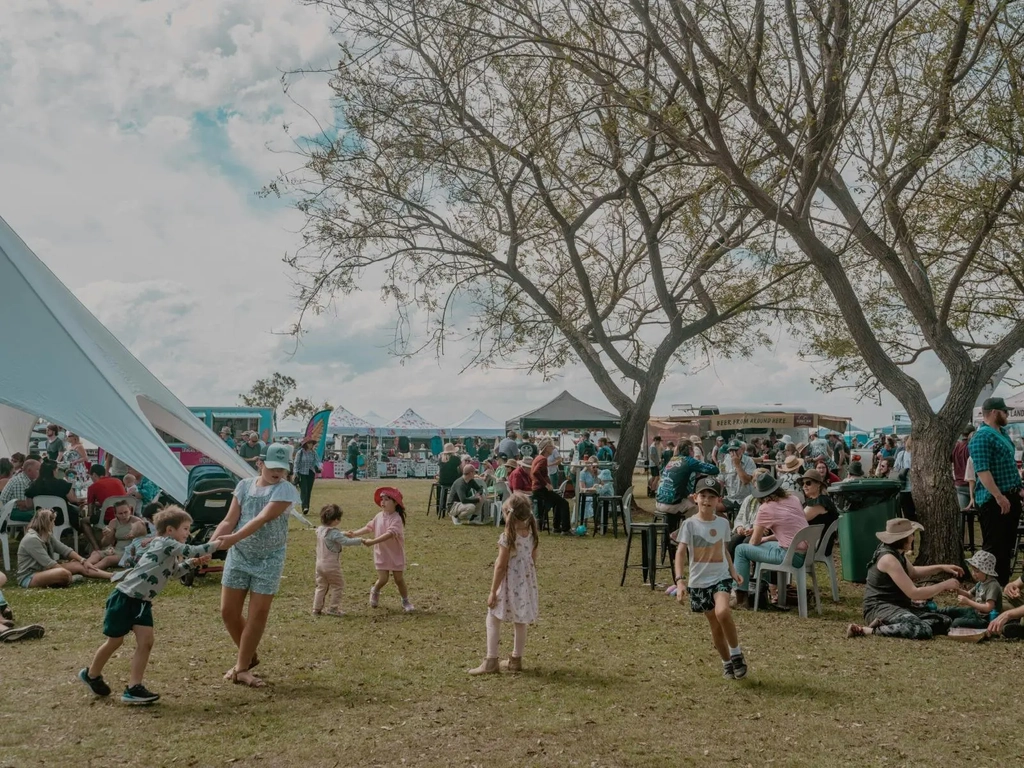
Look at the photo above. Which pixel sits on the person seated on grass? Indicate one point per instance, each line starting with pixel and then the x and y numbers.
pixel 1010 623
pixel 136 546
pixel 466 497
pixel 890 592
pixel 9 633
pixel 987 596
pixel 130 605
pixel 44 561
pixel 116 537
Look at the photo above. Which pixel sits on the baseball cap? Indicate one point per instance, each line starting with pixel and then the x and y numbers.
pixel 994 404
pixel 278 456
pixel 709 484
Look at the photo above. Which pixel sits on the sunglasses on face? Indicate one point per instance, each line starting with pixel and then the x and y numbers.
pixel 808 482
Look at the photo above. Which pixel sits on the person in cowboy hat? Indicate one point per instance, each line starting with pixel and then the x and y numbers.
pixel 890 592
pixel 307 465
pixel 698 447
pixel 506 468
pixel 779 513
pixel 976 606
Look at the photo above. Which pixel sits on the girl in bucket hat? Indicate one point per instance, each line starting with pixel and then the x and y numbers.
pixel 388 529
pixel 890 592
pixel 976 606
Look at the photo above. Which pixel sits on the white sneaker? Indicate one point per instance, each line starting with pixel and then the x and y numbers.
pixel 455 520
pixel 407 606
pixel 77 578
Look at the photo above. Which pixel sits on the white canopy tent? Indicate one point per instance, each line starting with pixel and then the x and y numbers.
pixel 409 424
pixel 477 424
pixel 67 368
pixel 374 418
pixel 344 422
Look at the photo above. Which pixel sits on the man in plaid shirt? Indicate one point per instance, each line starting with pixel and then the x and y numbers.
pixel 998 492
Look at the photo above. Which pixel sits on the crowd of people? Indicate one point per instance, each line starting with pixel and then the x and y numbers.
pixel 726 515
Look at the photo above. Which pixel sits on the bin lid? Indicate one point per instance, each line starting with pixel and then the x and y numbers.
pixel 866 484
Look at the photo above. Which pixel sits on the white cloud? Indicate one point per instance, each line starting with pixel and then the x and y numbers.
pixel 133 137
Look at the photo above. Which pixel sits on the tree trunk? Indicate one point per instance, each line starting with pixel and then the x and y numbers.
pixel 931 478
pixel 631 437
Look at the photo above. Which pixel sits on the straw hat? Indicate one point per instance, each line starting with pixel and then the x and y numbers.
pixel 511 464
pixel 449 447
pixel 545 443
pixel 694 438
pixel 791 464
pixel 898 529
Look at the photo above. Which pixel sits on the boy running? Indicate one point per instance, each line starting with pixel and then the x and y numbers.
pixel 129 607
pixel 711 575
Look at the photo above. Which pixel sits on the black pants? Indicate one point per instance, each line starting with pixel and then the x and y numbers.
pixel 559 508
pixel 999 532
pixel 672 521
pixel 907 506
pixel 306 489
pixel 735 541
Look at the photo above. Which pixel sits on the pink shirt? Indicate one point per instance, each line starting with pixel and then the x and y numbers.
pixel 390 555
pixel 784 517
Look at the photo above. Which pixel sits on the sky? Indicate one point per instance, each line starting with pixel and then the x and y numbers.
pixel 134 136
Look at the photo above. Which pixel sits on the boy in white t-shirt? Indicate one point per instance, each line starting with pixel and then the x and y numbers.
pixel 711 574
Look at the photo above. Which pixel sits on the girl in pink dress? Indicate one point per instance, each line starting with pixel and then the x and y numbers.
pixel 388 529
pixel 514 586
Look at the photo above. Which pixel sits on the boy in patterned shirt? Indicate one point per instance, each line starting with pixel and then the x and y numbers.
pixel 712 575
pixel 129 607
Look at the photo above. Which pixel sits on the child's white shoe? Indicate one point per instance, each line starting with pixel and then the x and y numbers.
pixel 374 597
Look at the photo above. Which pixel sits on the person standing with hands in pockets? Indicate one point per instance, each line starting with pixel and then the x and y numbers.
pixel 711 575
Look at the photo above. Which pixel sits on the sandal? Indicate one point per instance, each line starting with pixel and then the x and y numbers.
pixel 252 682
pixel 255 662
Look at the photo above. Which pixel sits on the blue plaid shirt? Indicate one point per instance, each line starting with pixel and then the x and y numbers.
pixel 306 462
pixel 992 451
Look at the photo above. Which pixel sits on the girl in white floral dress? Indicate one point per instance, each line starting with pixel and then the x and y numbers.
pixel 514 586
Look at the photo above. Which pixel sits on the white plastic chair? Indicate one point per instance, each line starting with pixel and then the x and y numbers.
pixel 501 492
pixel 828 560
pixel 5 527
pixel 55 503
pixel 811 535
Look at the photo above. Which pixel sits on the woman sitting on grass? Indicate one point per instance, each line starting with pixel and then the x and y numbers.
pixel 890 592
pixel 43 559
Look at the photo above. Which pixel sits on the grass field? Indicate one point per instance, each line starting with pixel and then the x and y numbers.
pixel 614 676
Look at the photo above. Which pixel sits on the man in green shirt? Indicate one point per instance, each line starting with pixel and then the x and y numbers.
pixel 250 450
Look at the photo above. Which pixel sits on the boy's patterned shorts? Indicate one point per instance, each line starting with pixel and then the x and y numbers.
pixel 702 599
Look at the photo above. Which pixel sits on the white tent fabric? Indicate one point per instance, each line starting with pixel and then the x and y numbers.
pixel 409 424
pixel 66 367
pixel 344 422
pixel 375 419
pixel 477 424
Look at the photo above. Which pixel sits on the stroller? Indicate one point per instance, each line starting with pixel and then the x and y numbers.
pixel 210 490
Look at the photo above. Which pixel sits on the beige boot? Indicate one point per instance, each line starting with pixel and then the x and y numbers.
pixel 513 664
pixel 488 666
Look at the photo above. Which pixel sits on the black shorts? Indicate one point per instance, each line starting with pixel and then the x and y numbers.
pixel 124 612
pixel 655 470
pixel 702 599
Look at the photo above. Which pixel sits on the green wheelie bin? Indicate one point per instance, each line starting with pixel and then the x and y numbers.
pixel 864 507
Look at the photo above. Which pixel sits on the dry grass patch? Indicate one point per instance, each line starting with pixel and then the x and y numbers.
pixel 615 676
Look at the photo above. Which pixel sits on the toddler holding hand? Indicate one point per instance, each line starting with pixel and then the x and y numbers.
pixel 329 542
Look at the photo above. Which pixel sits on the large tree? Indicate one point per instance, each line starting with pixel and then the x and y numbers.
pixel 498 197
pixel 889 137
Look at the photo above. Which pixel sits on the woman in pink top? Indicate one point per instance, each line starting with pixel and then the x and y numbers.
pixel 779 518
pixel 388 529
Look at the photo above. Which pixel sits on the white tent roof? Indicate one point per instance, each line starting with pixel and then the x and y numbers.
pixel 477 424
pixel 344 422
pixel 409 424
pixel 374 418
pixel 66 367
